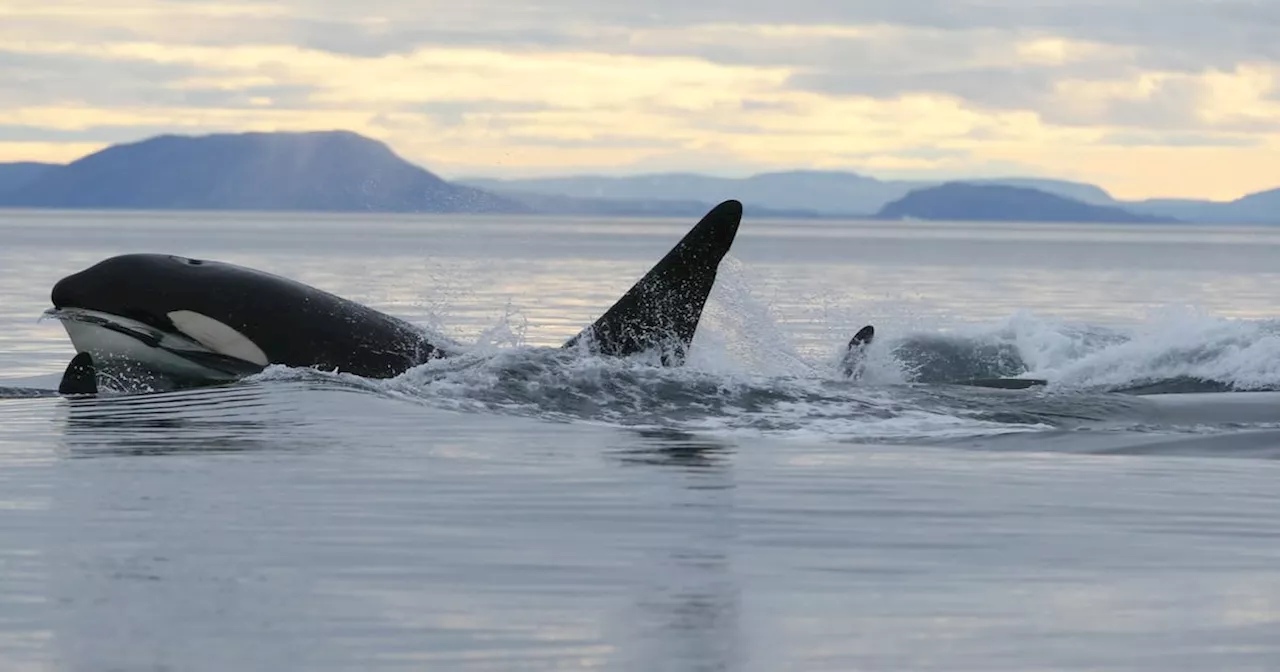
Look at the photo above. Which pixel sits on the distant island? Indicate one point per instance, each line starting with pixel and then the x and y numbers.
pixel 554 204
pixel 825 193
pixel 959 201
pixel 16 175
pixel 340 171
pixel 333 171
pixel 847 194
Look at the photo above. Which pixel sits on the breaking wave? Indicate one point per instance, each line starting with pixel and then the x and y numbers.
pixel 1180 351
pixel 745 375
pixel 748 380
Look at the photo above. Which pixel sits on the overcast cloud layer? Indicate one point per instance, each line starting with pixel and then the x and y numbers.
pixel 1145 97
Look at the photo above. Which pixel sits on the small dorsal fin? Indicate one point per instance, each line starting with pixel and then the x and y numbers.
pixel 864 337
pixel 662 310
pixel 852 361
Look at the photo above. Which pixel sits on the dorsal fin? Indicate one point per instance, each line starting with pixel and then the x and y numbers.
pixel 662 310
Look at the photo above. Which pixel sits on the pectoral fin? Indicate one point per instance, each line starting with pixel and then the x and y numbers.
pixel 80 378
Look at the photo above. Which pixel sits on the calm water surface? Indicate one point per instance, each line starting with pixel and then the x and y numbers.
pixel 753 511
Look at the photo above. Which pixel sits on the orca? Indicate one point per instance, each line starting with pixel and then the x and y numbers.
pixel 195 321
pixel 855 353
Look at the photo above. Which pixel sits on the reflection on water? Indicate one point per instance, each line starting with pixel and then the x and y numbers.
pixel 155 426
pixel 676 448
pixel 689 608
pixel 227 419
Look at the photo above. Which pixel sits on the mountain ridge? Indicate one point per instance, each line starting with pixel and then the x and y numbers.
pixel 860 194
pixel 965 201
pixel 329 171
pixel 826 192
pixel 341 171
pixel 15 175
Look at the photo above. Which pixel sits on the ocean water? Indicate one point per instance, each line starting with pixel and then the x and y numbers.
pixel 521 509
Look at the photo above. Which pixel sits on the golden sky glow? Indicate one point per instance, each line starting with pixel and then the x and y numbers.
pixel 464 93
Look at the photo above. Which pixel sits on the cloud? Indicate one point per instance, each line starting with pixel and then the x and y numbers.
pixel 1157 139
pixel 36 77
pixel 1170 34
pixel 933 86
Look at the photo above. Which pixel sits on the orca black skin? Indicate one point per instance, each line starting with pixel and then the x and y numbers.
pixel 207 321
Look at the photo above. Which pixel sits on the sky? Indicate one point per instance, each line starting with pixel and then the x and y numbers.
pixel 1147 98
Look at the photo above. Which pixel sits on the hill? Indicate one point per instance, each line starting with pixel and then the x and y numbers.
pixel 1080 191
pixel 962 201
pixel 339 171
pixel 16 175
pixel 333 171
pixel 635 207
pixel 829 193
pixel 1259 208
pixel 1263 206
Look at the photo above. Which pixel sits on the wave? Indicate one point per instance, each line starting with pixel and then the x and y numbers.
pixel 1176 352
pixel 745 375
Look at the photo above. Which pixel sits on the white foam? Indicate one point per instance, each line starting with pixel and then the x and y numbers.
pixel 744 376
pixel 1174 343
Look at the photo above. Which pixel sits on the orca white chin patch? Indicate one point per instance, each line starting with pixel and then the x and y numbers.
pixel 112 338
pixel 217 336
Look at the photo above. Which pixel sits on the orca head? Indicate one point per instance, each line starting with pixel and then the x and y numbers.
pixel 158 311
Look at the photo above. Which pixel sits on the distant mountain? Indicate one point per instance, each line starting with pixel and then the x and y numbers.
pixel 961 201
pixel 1080 191
pixel 836 193
pixel 334 171
pixel 825 192
pixel 809 191
pixel 16 175
pixel 632 207
pixel 1258 208
pixel 339 171
pixel 1181 208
